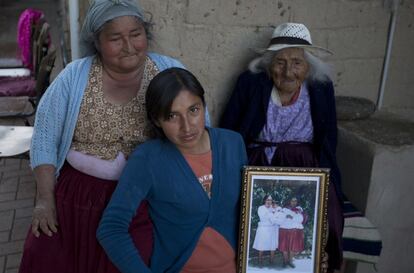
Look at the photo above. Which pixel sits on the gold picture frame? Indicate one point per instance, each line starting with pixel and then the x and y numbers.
pixel 307 219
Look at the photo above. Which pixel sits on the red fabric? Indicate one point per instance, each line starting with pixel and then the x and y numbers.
pixel 201 165
pixel 80 201
pixel 17 86
pixel 291 240
pixel 213 254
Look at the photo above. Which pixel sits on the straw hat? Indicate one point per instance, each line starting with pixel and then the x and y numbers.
pixel 293 35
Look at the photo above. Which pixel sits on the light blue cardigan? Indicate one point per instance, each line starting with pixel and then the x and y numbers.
pixel 58 110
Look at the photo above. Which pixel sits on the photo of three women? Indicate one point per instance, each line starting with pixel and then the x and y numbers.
pixel 280 229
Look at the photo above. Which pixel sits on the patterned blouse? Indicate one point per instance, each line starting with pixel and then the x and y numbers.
pixel 104 129
pixel 288 123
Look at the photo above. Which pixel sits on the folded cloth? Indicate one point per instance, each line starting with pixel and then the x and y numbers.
pixel 361 239
pixel 17 86
pixel 100 168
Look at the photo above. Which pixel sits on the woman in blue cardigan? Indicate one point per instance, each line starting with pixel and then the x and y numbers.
pixel 191 178
pixel 284 108
pixel 88 122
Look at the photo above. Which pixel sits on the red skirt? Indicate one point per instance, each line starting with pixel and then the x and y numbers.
pixel 80 202
pixel 291 240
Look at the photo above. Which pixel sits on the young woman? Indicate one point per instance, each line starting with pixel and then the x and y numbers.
pixel 191 178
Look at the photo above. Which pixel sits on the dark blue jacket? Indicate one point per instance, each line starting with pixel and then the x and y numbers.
pixel 247 108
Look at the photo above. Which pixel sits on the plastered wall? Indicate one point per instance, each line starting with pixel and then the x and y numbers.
pixel 214 39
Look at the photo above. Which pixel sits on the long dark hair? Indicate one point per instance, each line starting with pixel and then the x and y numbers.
pixel 164 88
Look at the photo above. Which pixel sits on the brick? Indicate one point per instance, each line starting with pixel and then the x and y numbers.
pixel 25 164
pixel 8 196
pixel 6 220
pixel 358 71
pixel 27 179
pixel 2 262
pixel 20 228
pixel 23 212
pixel 370 91
pixel 203 12
pixel 26 190
pixel 13 261
pixel 12 161
pixel 9 168
pixel 19 172
pixel 355 13
pixel 8 184
pixel 4 236
pixel 16 204
pixel 11 247
pixel 361 42
pixel 228 40
pixel 240 13
pixel 405 97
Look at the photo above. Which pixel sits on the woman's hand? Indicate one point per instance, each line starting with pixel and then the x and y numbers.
pixel 44 217
pixel 44 212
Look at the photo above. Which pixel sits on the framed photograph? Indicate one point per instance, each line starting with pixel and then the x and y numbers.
pixel 283 225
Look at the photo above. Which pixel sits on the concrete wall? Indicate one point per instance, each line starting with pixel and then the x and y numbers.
pixel 389 206
pixel 376 158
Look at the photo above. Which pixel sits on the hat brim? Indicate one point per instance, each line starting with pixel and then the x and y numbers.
pixel 316 50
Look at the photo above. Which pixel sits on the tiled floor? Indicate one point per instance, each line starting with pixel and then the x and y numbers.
pixel 17 191
pixel 17 186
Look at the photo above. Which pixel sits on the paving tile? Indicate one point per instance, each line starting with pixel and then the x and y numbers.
pixel 26 190
pixel 13 260
pixel 9 196
pixel 23 212
pixel 12 161
pixel 26 179
pixel 6 220
pixel 16 204
pixel 2 263
pixel 9 168
pixel 20 228
pixel 4 236
pixel 16 173
pixel 11 247
pixel 9 184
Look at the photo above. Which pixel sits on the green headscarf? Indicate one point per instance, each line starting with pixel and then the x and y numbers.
pixel 100 12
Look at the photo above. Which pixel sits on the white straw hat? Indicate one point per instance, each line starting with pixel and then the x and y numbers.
pixel 293 35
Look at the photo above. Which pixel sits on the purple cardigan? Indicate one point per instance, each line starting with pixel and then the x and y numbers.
pixel 246 113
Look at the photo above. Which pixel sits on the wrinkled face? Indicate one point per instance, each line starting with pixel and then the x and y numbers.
pixel 123 44
pixel 185 124
pixel 289 69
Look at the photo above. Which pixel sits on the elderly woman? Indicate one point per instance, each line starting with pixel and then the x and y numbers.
pixel 191 177
pixel 88 122
pixel 284 108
